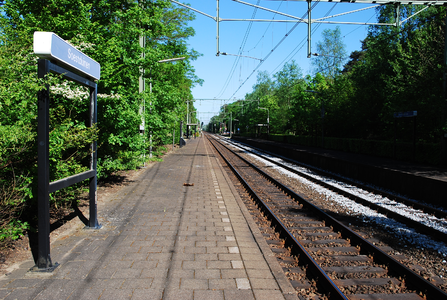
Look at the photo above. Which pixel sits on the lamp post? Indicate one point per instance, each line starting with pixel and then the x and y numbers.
pixel 231 121
pixel 235 125
pixel 268 119
pixel 187 118
pixel 322 116
pixel 142 88
pixel 189 121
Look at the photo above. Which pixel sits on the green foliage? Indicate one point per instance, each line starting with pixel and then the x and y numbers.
pixel 331 53
pixel 13 230
pixel 110 32
pixel 399 69
pixel 402 71
pixel 18 91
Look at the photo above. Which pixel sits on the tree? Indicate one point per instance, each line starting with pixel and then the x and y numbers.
pixel 331 53
pixel 401 70
pixel 289 80
pixel 109 32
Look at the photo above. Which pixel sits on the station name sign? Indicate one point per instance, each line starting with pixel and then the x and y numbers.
pixel 406 114
pixel 50 46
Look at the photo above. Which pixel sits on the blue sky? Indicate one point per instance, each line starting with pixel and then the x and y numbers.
pixel 262 38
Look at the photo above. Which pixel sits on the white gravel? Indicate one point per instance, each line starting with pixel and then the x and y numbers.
pixel 368 215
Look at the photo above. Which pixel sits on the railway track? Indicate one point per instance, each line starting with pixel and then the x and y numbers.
pixel 331 259
pixel 437 215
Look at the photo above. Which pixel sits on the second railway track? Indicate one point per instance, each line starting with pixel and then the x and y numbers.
pixel 422 218
pixel 334 261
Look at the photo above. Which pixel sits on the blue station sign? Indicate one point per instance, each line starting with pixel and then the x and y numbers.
pixel 405 114
pixel 50 46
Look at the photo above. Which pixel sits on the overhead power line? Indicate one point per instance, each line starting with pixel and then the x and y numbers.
pixel 241 49
pixel 273 49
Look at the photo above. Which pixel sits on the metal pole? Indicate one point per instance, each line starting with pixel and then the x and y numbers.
pixel 93 220
pixel 150 92
pixel 444 96
pixel 43 171
pixel 395 138
pixel 181 134
pixel 309 28
pixel 150 109
pixel 173 139
pixel 187 118
pixel 141 89
pixel 322 123
pixel 217 27
pixel 231 122
pixel 268 122
pixel 414 138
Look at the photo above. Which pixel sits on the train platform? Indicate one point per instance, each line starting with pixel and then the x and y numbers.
pixel 415 180
pixel 179 231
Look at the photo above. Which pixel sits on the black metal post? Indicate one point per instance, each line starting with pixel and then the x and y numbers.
pixel 181 129
pixel 43 171
pixel 443 155
pixel 414 138
pixel 181 135
pixel 395 138
pixel 322 123
pixel 93 220
pixel 43 261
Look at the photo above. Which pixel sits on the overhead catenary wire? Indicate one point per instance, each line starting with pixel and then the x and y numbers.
pixel 236 61
pixel 273 49
pixel 241 48
pixel 374 15
pixel 300 44
pixel 263 35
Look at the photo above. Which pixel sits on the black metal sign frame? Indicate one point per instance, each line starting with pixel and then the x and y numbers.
pixel 45 187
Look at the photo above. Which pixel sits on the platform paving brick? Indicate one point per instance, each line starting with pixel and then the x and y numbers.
pixel 208 295
pixel 162 240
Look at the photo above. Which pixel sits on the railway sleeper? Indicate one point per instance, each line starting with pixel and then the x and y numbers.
pixel 275 243
pixel 299 285
pixel 347 258
pixel 293 270
pixel 405 296
pixel 356 287
pixel 343 261
pixel 334 250
pixel 322 235
pixel 370 286
pixel 303 217
pixel 347 272
pixel 386 249
pixel 279 250
pixel 311 228
pixel 308 223
pixel 325 243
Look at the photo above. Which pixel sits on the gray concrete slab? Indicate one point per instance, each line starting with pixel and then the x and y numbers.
pixel 163 240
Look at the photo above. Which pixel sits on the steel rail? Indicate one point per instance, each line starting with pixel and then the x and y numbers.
pixel 425 208
pixel 419 227
pixel 412 279
pixel 313 268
